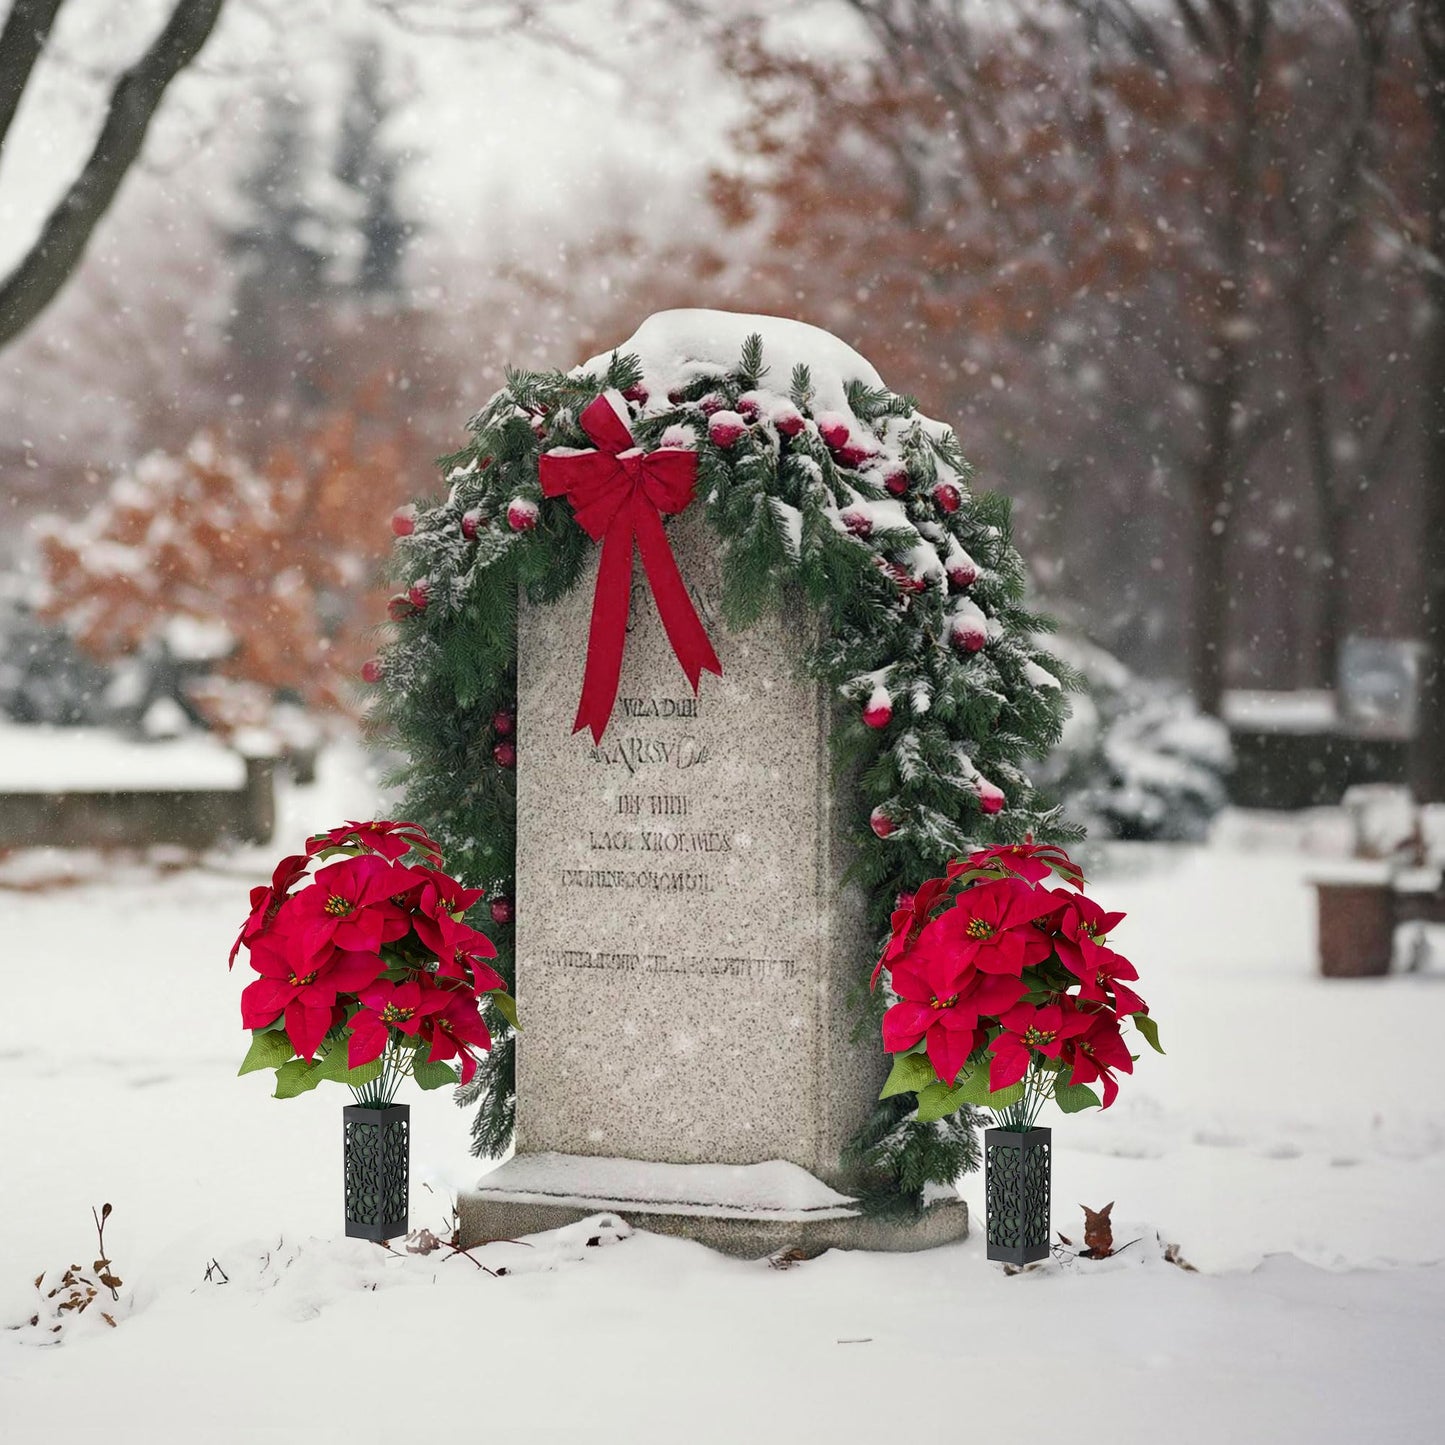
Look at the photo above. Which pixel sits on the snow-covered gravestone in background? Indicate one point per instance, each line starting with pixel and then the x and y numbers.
pixel 686 946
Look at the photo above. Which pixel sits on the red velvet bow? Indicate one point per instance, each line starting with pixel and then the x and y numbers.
pixel 619 493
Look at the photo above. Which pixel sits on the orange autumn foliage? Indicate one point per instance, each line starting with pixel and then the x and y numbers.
pixel 284 554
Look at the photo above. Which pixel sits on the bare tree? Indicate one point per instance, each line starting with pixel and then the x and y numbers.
pixel 45 268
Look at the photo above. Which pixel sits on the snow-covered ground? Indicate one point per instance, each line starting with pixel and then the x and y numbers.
pixel 1292 1143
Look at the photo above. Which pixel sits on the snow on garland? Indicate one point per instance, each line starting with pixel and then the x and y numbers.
pixel 818 482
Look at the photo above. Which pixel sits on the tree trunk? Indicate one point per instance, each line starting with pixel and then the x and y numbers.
pixel 1430 745
pixel 1209 630
pixel 1429 759
pixel 1326 572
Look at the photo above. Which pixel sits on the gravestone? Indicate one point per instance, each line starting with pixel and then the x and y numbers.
pixel 686 947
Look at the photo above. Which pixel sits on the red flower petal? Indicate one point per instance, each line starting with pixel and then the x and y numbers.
pixel 263 1000
pixel 948 1052
pixel 1010 1063
pixel 904 1024
pixel 368 1040
pixel 306 1026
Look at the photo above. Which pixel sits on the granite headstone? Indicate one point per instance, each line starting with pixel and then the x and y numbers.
pixel 686 945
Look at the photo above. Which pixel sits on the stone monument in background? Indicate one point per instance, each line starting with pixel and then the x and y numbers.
pixel 686 947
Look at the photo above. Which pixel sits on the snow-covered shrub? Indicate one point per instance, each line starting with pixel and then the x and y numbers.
pixel 1137 760
pixel 44 678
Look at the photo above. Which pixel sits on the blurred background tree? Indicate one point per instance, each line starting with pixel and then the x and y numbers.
pixel 271 564
pixel 1175 267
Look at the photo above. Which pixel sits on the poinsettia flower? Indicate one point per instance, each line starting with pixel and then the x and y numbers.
pixel 302 989
pixel 907 922
pixel 443 894
pixel 986 929
pixel 464 961
pixel 1105 985
pixel 1080 932
pixel 1097 1052
pixel 266 902
pixel 1033 862
pixel 939 1007
pixel 455 1031
pixel 350 904
pixel 458 947
pixel 390 840
pixel 1027 1031
pixel 386 1006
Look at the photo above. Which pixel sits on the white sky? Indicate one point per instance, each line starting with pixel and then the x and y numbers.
pixel 507 131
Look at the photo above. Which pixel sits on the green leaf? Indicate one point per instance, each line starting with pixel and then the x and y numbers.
pixel 333 1067
pixel 910 1074
pixel 433 1076
pixel 1149 1029
pixel 297 1077
pixel 505 1005
pixel 973 1088
pixel 269 1050
pixel 938 1100
pixel 1072 1097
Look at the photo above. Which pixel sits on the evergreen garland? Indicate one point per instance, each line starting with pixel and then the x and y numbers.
pixel 895 580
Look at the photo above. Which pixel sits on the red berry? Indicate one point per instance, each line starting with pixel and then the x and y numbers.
pixel 505 755
pixel 403 521
pixel 968 636
pixel 789 421
pixel 990 797
pixel 748 407
pixel 400 607
pixel 962 575
pixel 833 429
pixel 675 395
pixel 371 670
pixel 877 714
pixel 522 514
pixel 636 393
pixel 726 428
pixel 948 497
pixel 419 594
pixel 855 454
pixel 472 523
pixel 713 403
pixel 501 910
pixel 881 823
pixel 896 480
pixel 901 578
pixel 859 523
pixel 502 723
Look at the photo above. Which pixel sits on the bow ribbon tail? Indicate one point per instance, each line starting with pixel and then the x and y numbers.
pixel 607 632
pixel 684 628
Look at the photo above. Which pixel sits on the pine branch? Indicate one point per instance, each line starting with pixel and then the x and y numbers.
pixel 751 371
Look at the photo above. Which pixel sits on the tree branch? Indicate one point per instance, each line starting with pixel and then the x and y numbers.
pixel 40 274
pixel 27 28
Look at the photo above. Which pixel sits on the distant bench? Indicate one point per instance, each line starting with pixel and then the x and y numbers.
pixel 85 788
pixel 1358 916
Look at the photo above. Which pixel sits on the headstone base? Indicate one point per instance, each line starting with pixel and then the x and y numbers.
pixel 745 1210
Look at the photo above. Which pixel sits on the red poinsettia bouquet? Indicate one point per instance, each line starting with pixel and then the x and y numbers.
pixel 368 975
pixel 1008 994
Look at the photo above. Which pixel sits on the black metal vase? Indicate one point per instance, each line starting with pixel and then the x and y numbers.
pixel 1017 1182
pixel 377 1149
